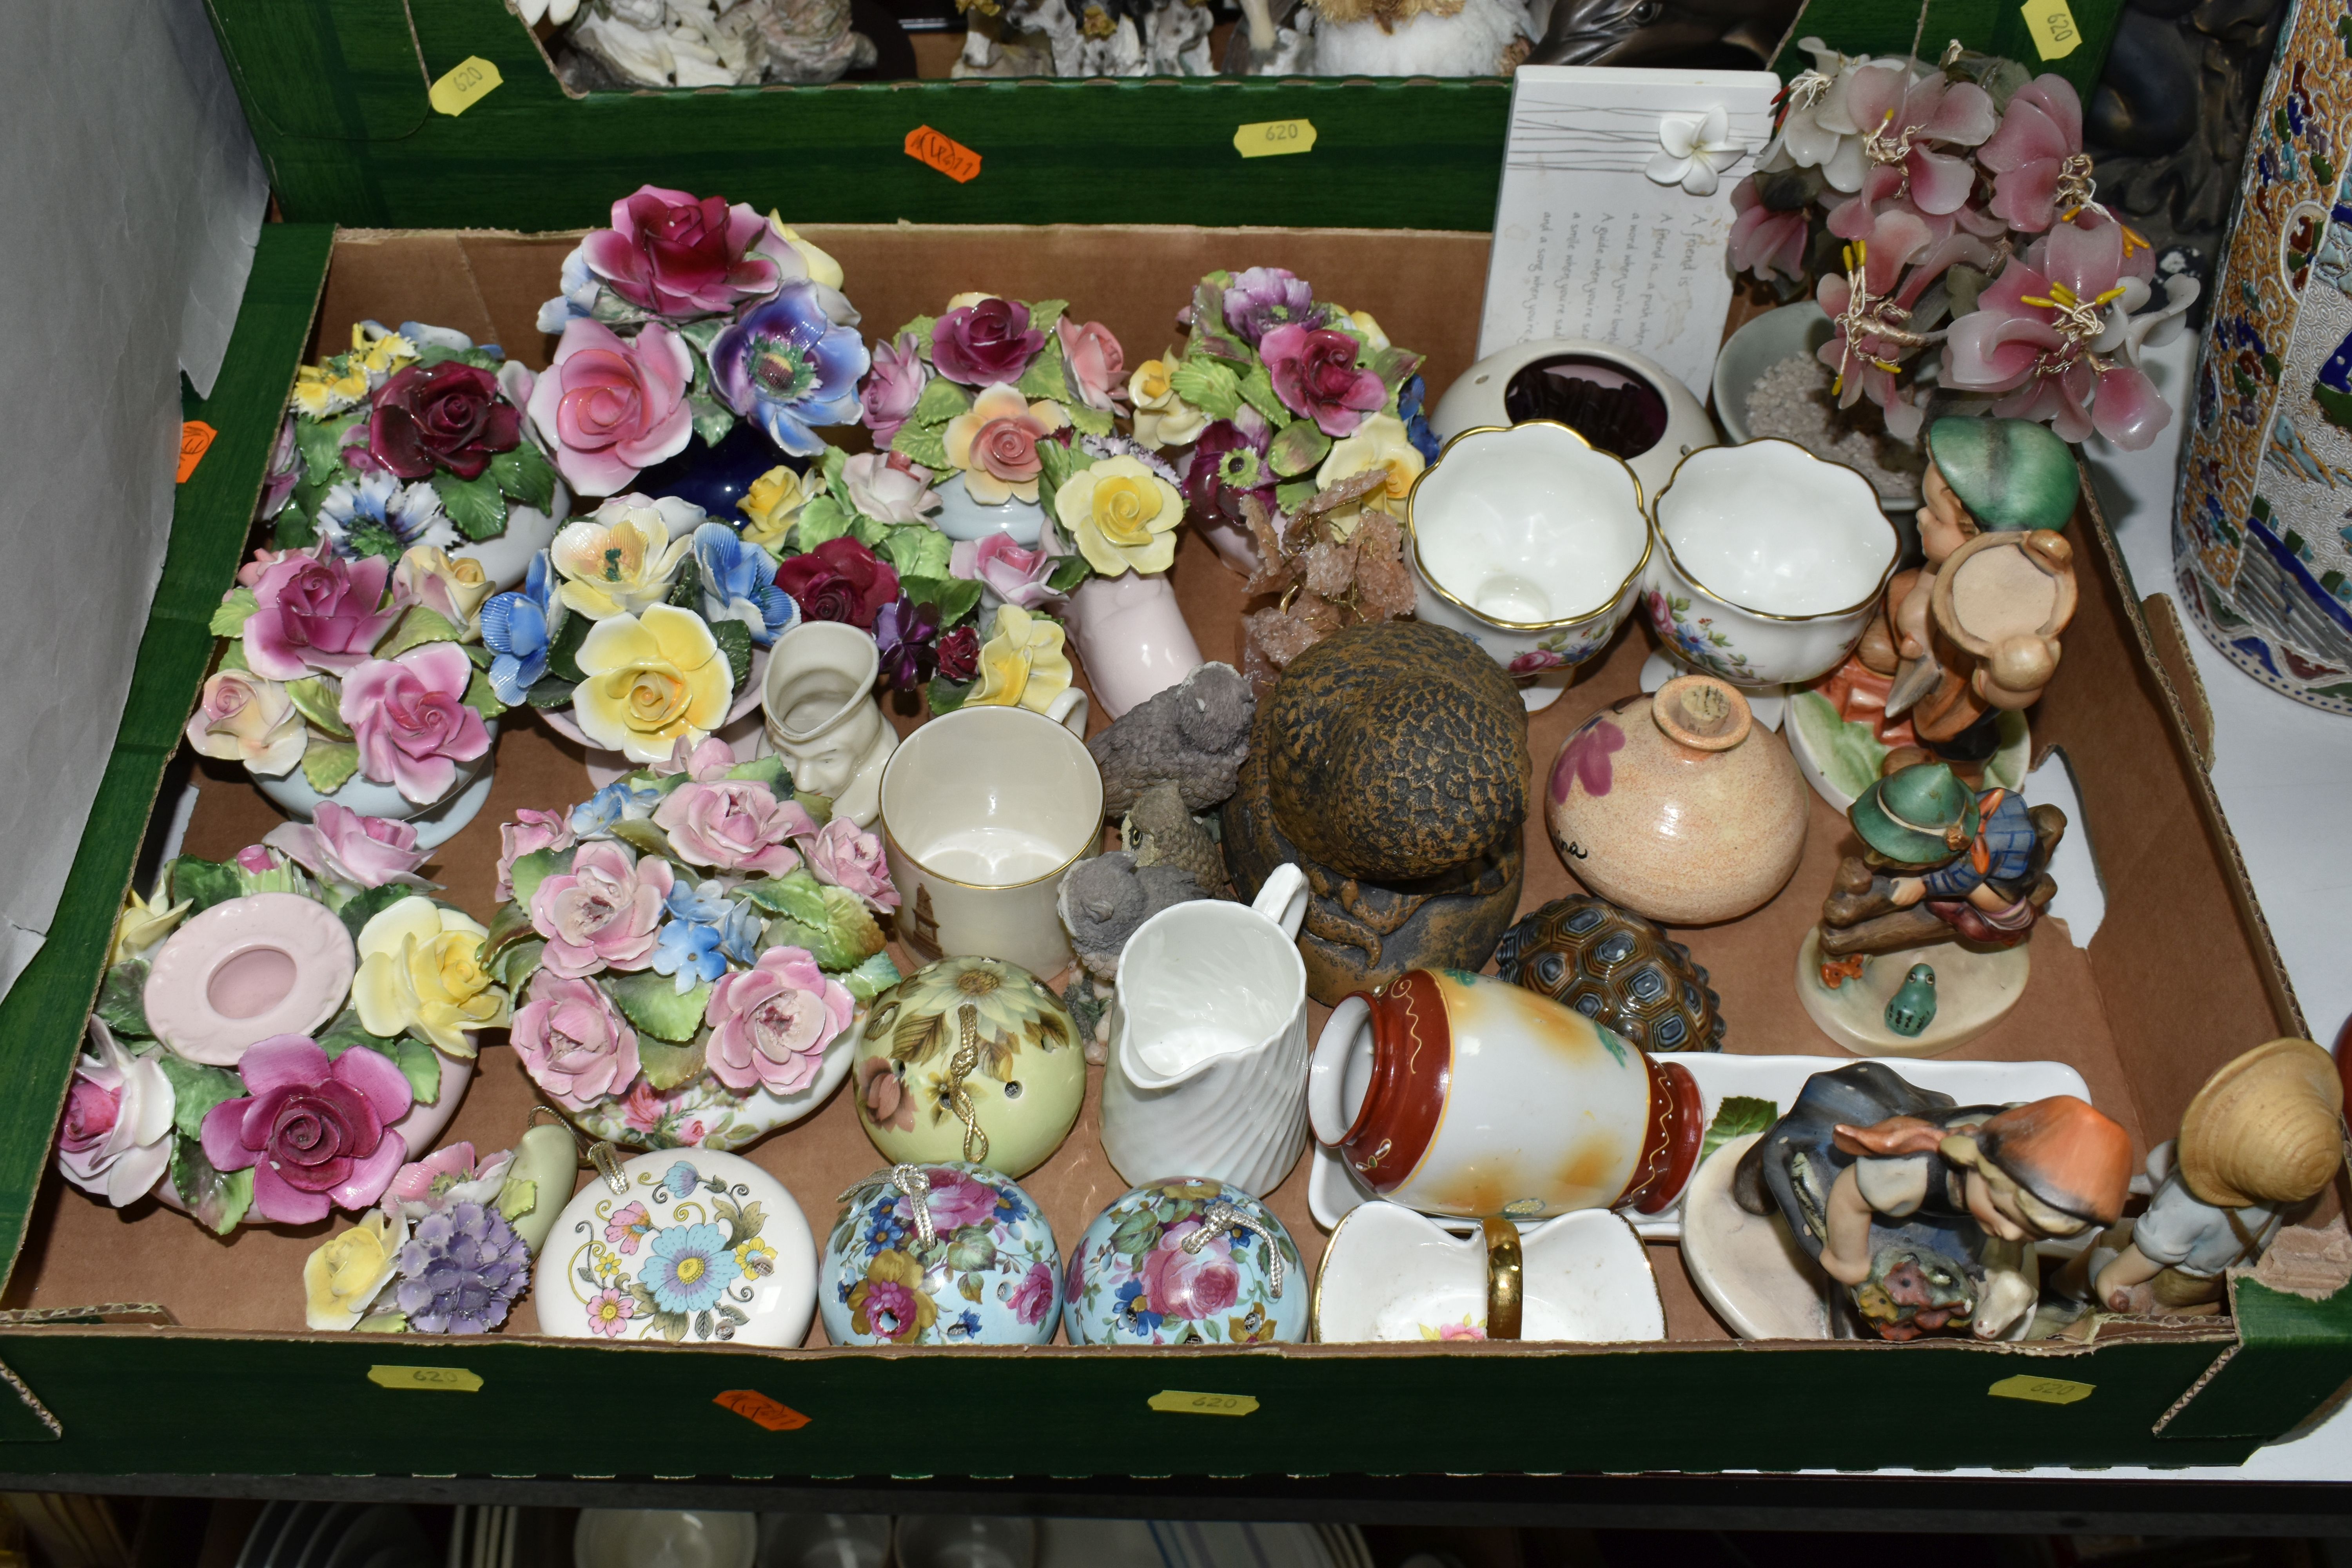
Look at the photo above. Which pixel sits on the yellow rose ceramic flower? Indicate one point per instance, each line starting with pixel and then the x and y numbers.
pixel 654 681
pixel 452 590
pixel 1362 322
pixel 1122 515
pixel 346 1272
pixel 773 505
pixel 420 974
pixel 1161 418
pixel 619 559
pixel 141 925
pixel 821 268
pixel 1021 664
pixel 1379 442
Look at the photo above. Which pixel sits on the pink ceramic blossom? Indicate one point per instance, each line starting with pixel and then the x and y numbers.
pixel 340 846
pixel 2029 339
pixel 531 832
pixel 1905 120
pixel 2040 131
pixel 574 1044
pixel 884 487
pixel 116 1139
pixel 769 1025
pixel 1180 1284
pixel 448 1176
pixel 845 858
pixel 1315 373
pixel 1097 364
pixel 409 719
pixel 316 1134
pixel 611 407
pixel 1764 241
pixel 318 612
pixel 602 912
pixel 1017 576
pixel 893 387
pixel 681 255
pixel 733 825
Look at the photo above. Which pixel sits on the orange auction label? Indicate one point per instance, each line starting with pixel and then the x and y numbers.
pixel 943 153
pixel 762 1411
pixel 196 439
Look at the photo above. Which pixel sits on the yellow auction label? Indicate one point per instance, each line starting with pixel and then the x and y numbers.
pixel 455 1378
pixel 1273 138
pixel 2053 27
pixel 473 80
pixel 2041 1390
pixel 1179 1402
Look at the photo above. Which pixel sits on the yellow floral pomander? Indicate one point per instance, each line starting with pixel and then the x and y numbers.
pixel 1122 515
pixel 420 974
pixel 654 681
pixel 1022 665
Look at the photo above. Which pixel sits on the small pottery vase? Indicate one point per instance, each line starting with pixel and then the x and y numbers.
pixel 976 1266
pixel 1391 1274
pixel 1462 1094
pixel 1207 1070
pixel 968 1058
pixel 1769 563
pixel 1390 765
pixel 824 718
pixel 247 969
pixel 1132 637
pixel 716 478
pixel 436 821
pixel 961 518
pixel 1530 543
pixel 705 1114
pixel 1618 969
pixel 984 810
pixel 1678 807
pixel 687 1246
pixel 1186 1261
pixel 1623 402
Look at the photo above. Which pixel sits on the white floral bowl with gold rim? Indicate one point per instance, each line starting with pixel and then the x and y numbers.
pixel 1768 562
pixel 1530 543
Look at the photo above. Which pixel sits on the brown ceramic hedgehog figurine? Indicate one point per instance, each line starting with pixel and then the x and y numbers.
pixel 1391 764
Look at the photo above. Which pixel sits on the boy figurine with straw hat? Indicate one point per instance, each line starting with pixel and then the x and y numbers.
pixel 2262 1140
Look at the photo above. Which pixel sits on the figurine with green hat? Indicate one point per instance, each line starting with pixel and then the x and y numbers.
pixel 1940 860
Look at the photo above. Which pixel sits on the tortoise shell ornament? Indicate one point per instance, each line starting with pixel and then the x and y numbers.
pixel 1618 969
pixel 1389 764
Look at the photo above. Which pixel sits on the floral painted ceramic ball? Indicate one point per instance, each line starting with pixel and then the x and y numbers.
pixel 970 1058
pixel 1185 1262
pixel 987 1273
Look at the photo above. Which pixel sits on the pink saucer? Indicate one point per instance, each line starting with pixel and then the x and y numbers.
pixel 270 964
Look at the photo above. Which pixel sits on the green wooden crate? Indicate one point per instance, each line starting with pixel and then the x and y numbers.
pixel 336 93
pixel 96 1397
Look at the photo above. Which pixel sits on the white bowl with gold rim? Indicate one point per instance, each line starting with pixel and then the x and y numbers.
pixel 1768 562
pixel 1530 543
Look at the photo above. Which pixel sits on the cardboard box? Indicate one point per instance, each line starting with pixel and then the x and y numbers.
pixel 2178 979
pixel 335 91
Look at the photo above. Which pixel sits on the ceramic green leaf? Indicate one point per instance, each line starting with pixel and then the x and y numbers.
pixel 656 1006
pixel 1739 1116
pixel 1069 571
pixel 217 1200
pixel 941 401
pixel 854 936
pixel 525 475
pixel 1393 365
pixel 918 550
pixel 321 442
pixel 328 764
pixel 481 698
pixel 1045 313
pixel 201 884
pixel 769 770
pixel 712 420
pixel 122 1002
pixel 319 706
pixel 1209 386
pixel 475 508
pixel 228 620
pixel 419 1064
pixel 514 967
pixel 516 1198
pixel 1056 463
pixel 955 597
pixel 919 329
pixel 1090 420
pixel 368 902
pixel 232 657
pixel 945 696
pixel 797 893
pixel 196 1090
pixel 641 835
pixel 924 444
pixel 667 1066
pixel 417 627
pixel 685 586
pixel 1045 378
pixel 1258 391
pixel 528 870
pixel 1292 496
pixel 871 978
pixel 1298 447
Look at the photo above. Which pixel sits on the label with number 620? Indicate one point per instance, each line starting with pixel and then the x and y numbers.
pixel 1273 138
pixel 1179 1402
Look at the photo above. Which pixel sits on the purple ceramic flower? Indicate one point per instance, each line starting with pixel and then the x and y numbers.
pixel 1229 462
pixel 461 1270
pixel 894 388
pixel 1265 298
pixel 984 342
pixel 316 1134
pixel 786 365
pixel 906 634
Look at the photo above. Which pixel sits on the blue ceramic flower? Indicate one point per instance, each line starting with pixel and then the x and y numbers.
pixel 1410 398
pixel 515 628
pixel 1133 1311
pixel 689 951
pixel 689 1267
pixel 374 513
pixel 742 935
pixel 681 1179
pixel 700 903
pixel 617 801
pixel 785 364
pixel 965 1326
pixel 578 297
pixel 738 583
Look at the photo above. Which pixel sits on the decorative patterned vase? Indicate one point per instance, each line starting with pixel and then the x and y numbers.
pixel 702 1248
pixel 1463 1094
pixel 1186 1262
pixel 2262 551
pixel 1618 969
pixel 1679 806
pixel 977 1265
pixel 970 1058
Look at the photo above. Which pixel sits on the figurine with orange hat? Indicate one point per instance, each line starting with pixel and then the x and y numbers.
pixel 2259 1144
pixel 1927 1211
